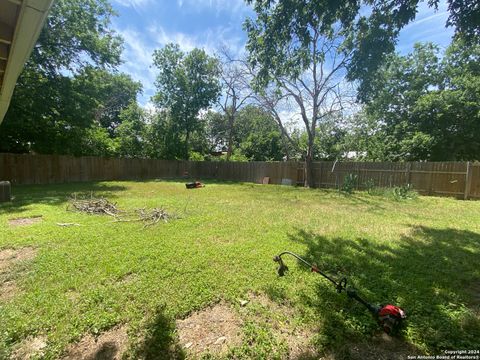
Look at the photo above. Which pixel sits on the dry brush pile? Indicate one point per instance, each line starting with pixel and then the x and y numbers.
pixel 102 206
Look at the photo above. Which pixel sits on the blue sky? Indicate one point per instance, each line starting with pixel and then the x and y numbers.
pixel 147 25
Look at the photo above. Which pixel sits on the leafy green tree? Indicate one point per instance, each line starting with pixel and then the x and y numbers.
pixel 108 93
pixel 331 140
pixel 307 67
pixel 257 135
pixel 130 134
pixel 77 33
pixel 217 129
pixel 162 137
pixel 95 141
pixel 370 28
pixel 67 111
pixel 55 101
pixel 187 83
pixel 450 114
pixel 425 106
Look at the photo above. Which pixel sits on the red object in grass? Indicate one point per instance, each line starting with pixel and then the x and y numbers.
pixel 392 310
pixel 194 185
pixel 390 317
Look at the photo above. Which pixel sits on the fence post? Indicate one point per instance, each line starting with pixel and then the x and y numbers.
pixel 409 174
pixel 430 182
pixel 468 180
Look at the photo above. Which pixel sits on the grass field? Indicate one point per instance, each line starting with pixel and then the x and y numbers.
pixel 421 254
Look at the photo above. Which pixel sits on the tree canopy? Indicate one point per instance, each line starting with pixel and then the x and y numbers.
pixel 370 29
pixel 186 84
pixel 67 97
pixel 303 65
pixel 426 105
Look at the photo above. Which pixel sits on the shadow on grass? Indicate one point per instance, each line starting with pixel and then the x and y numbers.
pixel 159 341
pixel 108 351
pixel 428 273
pixel 54 194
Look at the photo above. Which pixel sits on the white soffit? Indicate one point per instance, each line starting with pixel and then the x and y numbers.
pixel 20 24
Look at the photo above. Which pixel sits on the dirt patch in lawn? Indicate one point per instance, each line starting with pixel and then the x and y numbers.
pixel 30 348
pixel 279 317
pixel 110 345
pixel 9 258
pixel 8 290
pixel 214 329
pixel 25 221
pixel 127 278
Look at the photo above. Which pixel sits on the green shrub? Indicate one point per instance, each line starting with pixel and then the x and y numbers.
pixel 196 156
pixel 349 183
pixel 369 186
pixel 404 192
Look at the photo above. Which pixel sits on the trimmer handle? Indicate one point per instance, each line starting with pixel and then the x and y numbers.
pixel 352 293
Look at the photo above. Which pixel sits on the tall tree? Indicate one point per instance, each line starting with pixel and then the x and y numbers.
pixel 187 83
pixel 425 106
pixel 371 27
pixel 77 33
pixel 257 136
pixel 50 109
pixel 305 66
pixel 236 91
pixel 131 132
pixel 109 94
pixel 273 101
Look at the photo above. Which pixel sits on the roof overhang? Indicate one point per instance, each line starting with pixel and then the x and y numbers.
pixel 20 24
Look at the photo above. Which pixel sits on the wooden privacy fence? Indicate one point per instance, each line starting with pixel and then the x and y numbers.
pixel 458 179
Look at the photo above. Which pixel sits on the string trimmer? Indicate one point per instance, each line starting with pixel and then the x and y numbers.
pixel 389 316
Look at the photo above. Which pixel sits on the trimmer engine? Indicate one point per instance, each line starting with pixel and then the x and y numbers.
pixel 390 318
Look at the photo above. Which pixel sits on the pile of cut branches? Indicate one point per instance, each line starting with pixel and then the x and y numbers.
pixel 93 205
pixel 149 217
pixel 101 206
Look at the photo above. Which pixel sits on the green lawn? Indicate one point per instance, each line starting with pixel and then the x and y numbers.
pixel 421 254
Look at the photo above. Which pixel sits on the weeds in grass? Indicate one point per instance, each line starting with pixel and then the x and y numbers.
pixel 404 192
pixel 349 184
pixel 370 186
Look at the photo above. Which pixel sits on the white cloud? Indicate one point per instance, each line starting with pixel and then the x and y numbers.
pixel 432 19
pixel 137 57
pixel 161 38
pixel 291 118
pixel 149 108
pixel 233 6
pixel 210 40
pixel 139 47
pixel 135 4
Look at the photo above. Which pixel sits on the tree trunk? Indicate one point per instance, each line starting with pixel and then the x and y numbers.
pixel 309 177
pixel 231 119
pixel 187 145
pixel 285 146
